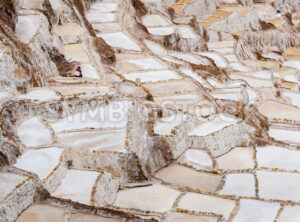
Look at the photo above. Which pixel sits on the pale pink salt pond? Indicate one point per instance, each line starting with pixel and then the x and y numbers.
pixel 8 182
pixel 278 110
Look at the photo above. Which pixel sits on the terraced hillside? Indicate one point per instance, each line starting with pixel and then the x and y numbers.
pixel 187 110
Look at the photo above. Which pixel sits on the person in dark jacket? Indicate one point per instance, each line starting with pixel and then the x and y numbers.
pixel 78 72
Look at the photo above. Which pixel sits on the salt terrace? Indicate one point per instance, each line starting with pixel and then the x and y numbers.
pixel 187 110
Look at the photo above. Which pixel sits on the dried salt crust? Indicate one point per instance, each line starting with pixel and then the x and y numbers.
pixel 186 177
pixel 33 133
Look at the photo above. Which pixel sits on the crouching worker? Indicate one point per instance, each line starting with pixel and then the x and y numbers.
pixel 78 72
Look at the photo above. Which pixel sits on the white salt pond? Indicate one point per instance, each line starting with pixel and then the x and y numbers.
pixel 9 182
pixel 40 94
pixel 111 115
pixel 77 186
pixel 278 157
pixel 278 185
pixel 186 32
pixel 96 17
pixel 155 198
pixel 40 161
pixel 88 71
pixel 104 140
pixel 238 158
pixel 198 159
pixel 290 214
pixel 147 63
pixel 292 98
pixel 182 176
pixel 239 184
pixel 206 203
pixel 190 58
pixel 181 86
pixel 4 94
pixel 154 20
pixel 119 39
pixel 102 7
pixel 33 133
pixel 278 110
pixel 180 217
pixel 292 63
pixel 231 58
pixel 153 76
pixel 217 123
pixel 79 217
pixel 161 30
pixel 252 81
pixel 261 74
pixel 165 125
pixel 43 212
pixel 255 210
pixel 27 26
pixel 239 67
pixel 285 135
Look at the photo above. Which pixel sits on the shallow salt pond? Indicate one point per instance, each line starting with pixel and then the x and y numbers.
pixel 9 182
pixel 186 177
pixel 43 212
pixel 154 20
pixel 239 184
pixel 206 203
pixel 147 63
pixel 255 210
pixel 198 159
pixel 161 30
pixel 46 159
pixel 104 7
pixel 112 115
pixel 33 133
pixel 40 94
pixel 153 76
pixel 165 125
pixel 278 185
pixel 278 157
pixel 159 198
pixel 95 17
pixel 217 123
pixel 77 185
pixel 285 135
pixel 119 39
pixel 104 140
pixel 277 110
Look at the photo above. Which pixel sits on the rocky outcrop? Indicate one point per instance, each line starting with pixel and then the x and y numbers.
pixel 201 8
pixel 237 23
pixel 152 150
pixel 287 6
pixel 254 45
pixel 177 42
